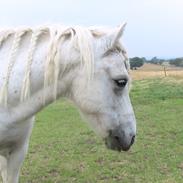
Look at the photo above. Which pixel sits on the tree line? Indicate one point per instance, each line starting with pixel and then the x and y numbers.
pixel 136 62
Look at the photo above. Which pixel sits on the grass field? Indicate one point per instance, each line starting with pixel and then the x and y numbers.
pixel 64 149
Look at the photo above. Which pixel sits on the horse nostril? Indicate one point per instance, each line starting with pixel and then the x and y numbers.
pixel 133 140
pixel 117 138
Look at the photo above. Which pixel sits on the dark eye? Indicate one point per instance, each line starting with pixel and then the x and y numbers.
pixel 121 83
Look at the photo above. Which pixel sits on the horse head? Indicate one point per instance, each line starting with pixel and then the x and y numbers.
pixel 104 99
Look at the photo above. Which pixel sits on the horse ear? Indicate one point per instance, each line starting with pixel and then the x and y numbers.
pixel 116 35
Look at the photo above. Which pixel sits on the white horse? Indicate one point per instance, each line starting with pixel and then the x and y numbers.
pixel 38 65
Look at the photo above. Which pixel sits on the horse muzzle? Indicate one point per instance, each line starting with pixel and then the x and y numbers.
pixel 119 140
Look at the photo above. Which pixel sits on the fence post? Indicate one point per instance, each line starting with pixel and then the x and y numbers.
pixel 165 71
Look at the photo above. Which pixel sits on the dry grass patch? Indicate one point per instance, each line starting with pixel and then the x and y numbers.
pixel 139 74
pixel 156 71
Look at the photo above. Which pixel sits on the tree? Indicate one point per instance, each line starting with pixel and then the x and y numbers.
pixel 136 62
pixel 177 62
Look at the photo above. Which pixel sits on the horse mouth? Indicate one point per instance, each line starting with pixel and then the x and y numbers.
pixel 116 145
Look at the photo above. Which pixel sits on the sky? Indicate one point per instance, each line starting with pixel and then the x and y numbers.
pixel 154 27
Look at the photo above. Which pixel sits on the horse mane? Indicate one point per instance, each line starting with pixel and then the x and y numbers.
pixel 80 37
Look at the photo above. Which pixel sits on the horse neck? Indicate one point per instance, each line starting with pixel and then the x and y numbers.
pixel 46 92
pixel 41 95
pixel 46 83
pixel 36 102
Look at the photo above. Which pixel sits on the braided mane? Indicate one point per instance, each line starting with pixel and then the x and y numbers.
pixel 81 38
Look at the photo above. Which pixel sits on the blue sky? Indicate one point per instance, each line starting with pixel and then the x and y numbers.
pixel 155 27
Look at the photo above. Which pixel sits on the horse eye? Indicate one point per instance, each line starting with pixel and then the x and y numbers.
pixel 121 83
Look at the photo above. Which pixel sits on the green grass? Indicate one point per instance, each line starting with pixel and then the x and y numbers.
pixel 64 149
